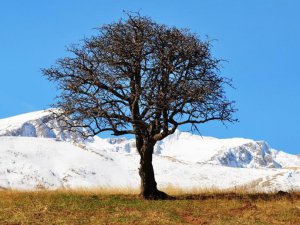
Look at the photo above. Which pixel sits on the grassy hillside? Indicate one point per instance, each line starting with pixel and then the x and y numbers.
pixel 97 207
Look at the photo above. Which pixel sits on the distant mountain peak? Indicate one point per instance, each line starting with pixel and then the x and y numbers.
pixel 38 124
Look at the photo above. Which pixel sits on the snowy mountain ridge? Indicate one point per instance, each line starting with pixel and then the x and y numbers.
pixel 37 124
pixel 35 151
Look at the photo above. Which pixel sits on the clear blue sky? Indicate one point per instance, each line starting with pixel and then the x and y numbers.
pixel 259 38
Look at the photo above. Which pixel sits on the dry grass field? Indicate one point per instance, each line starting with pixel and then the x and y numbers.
pixel 125 207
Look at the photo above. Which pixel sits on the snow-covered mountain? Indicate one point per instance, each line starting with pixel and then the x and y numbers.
pixel 35 152
pixel 37 124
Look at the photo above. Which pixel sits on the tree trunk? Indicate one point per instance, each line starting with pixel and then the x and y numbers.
pixel 148 184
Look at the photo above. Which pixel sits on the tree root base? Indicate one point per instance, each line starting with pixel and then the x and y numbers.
pixel 156 195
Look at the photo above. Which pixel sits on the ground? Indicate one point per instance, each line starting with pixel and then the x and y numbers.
pixel 84 207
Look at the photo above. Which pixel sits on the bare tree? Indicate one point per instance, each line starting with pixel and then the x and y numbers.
pixel 142 78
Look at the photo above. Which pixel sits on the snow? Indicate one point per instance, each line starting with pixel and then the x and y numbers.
pixel 36 152
pixel 38 124
pixel 233 152
pixel 285 159
pixel 49 163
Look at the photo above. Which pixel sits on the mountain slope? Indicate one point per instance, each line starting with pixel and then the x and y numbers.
pixel 37 124
pixel 232 152
pixel 36 152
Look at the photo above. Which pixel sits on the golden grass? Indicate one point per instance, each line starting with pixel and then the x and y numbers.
pixel 123 206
